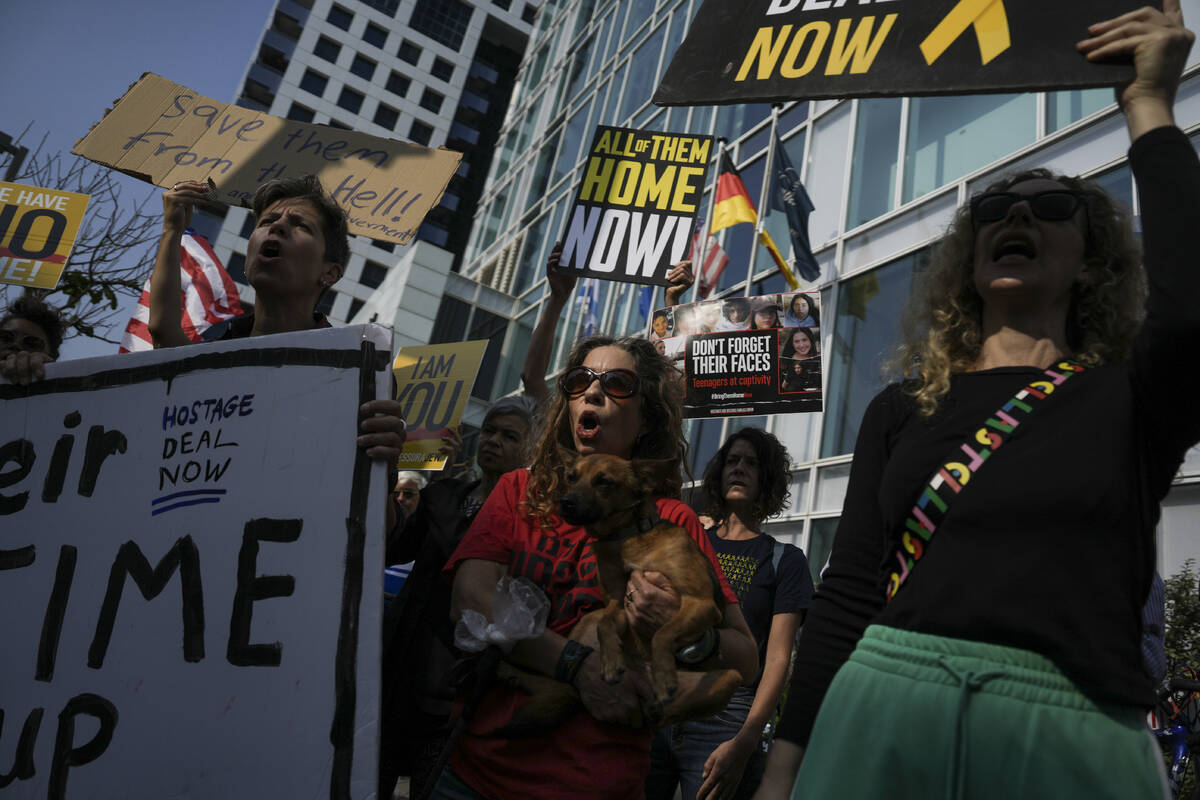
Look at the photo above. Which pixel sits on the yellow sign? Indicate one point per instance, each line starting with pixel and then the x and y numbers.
pixel 988 19
pixel 433 383
pixel 37 231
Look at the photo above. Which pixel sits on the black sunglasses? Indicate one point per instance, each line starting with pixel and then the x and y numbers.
pixel 616 383
pixel 26 341
pixel 1054 205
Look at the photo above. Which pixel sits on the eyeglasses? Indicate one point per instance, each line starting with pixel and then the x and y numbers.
pixel 616 383
pixel 1054 205
pixel 25 341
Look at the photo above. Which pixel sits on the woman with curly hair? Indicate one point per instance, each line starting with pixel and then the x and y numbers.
pixel 745 484
pixel 618 397
pixel 981 607
pixel 802 312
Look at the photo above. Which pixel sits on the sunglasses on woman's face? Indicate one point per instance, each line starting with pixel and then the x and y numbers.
pixel 616 383
pixel 24 341
pixel 1054 205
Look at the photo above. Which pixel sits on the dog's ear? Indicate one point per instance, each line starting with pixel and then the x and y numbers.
pixel 652 471
pixel 567 456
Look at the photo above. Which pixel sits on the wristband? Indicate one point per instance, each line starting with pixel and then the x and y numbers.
pixel 700 650
pixel 570 660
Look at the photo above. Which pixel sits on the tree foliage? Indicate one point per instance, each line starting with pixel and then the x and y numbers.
pixel 1183 618
pixel 113 252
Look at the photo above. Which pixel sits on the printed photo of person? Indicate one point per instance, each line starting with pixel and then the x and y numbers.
pixel 660 325
pixel 708 315
pixel 672 348
pixel 802 310
pixel 684 321
pixel 766 312
pixel 799 360
pixel 735 314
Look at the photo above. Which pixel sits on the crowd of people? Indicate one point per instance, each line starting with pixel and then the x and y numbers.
pixel 970 636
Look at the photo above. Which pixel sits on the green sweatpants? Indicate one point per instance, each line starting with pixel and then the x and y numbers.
pixel 917 716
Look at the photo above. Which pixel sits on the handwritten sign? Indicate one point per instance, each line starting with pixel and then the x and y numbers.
pixel 164 133
pixel 634 213
pixel 745 355
pixel 433 383
pixel 191 549
pixel 37 232
pixel 798 49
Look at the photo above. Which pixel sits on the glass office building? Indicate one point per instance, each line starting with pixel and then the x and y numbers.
pixel 885 176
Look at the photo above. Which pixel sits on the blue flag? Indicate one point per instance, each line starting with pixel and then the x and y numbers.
pixel 644 299
pixel 788 195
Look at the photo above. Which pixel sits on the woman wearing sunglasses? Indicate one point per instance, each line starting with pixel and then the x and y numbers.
pixel 981 607
pixel 618 397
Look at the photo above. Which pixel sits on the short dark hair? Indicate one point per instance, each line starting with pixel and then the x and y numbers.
pixel 774 474
pixel 306 187
pixel 42 314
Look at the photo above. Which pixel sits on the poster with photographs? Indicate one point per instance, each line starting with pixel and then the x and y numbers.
pixel 745 355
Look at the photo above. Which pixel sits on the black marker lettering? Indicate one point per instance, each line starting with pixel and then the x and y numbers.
pixel 56 609
pixel 100 445
pixel 250 588
pixel 65 754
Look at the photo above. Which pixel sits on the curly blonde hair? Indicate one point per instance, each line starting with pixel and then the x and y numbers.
pixel 942 328
pixel 661 399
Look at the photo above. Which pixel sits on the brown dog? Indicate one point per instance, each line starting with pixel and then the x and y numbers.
pixel 610 498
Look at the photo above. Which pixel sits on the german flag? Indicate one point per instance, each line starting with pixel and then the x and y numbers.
pixel 734 205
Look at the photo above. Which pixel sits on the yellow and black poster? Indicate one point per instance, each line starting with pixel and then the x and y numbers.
pixel 433 383
pixel 637 203
pixel 801 49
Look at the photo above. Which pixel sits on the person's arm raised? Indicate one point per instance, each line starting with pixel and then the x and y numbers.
pixel 166 313
pixel 681 278
pixel 537 357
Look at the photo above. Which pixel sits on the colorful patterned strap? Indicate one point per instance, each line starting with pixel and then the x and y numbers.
pixel 963 463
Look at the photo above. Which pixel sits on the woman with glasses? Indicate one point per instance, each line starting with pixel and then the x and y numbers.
pixel 977 632
pixel 30 335
pixel 618 397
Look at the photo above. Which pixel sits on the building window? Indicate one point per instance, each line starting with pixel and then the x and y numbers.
pixel 272 58
pixel 443 21
pixel 375 35
pixel 431 100
pixel 335 123
pixel 420 132
pixel 372 274
pixel 873 170
pixel 386 6
pixel 327 49
pixel 362 67
pixel 505 4
pixel 443 70
pixel 258 92
pixel 409 52
pixel 314 82
pixel 325 305
pixel 355 306
pixel 382 245
pixel 247 227
pixel 386 116
pixel 398 84
pixel 529 14
pixel 300 113
pixel 350 100
pixel 288 25
pixel 236 266
pixel 340 17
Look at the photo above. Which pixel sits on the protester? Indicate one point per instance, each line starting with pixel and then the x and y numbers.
pixel 766 312
pixel 30 334
pixel 298 249
pixel 745 484
pixel 617 397
pixel 801 312
pixel 408 491
pixel 1008 662
pixel 419 652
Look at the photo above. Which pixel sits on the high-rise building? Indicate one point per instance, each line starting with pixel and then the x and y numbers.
pixel 434 72
pixel 885 176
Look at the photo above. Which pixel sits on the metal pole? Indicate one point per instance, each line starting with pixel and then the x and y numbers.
pixel 762 197
pixel 712 206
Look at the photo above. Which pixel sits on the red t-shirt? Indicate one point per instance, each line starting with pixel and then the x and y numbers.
pixel 581 757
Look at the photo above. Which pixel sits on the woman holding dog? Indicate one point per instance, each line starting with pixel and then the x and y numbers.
pixel 745 484
pixel 618 397
pixel 991 594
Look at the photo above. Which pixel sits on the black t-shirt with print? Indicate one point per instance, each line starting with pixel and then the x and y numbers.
pixel 762 590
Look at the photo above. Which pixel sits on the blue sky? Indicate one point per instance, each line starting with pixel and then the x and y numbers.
pixel 65 61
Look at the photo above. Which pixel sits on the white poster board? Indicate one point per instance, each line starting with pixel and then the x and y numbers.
pixel 222 481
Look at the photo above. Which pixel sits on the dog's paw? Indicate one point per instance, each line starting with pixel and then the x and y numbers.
pixel 613 676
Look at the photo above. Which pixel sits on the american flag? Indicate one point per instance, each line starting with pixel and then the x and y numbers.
pixel 709 260
pixel 208 296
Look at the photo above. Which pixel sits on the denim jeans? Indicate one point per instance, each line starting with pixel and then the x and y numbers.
pixel 678 752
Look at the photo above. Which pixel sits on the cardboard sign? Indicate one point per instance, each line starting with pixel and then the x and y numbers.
pixel 37 232
pixel 433 383
pixel 745 355
pixel 164 133
pixel 796 49
pixel 192 562
pixel 634 214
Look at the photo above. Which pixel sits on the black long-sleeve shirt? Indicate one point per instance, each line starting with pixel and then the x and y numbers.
pixel 1051 546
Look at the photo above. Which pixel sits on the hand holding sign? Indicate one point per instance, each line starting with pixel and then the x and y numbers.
pixel 1159 46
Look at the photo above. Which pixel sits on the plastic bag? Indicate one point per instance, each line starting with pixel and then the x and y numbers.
pixel 519 612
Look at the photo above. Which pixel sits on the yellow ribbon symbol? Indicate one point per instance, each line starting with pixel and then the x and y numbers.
pixel 989 21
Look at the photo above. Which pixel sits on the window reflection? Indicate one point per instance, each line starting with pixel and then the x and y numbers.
pixel 1063 108
pixel 820 544
pixel 873 182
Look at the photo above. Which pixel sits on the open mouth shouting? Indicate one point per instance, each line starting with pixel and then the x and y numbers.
pixel 1013 247
pixel 587 427
pixel 270 249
